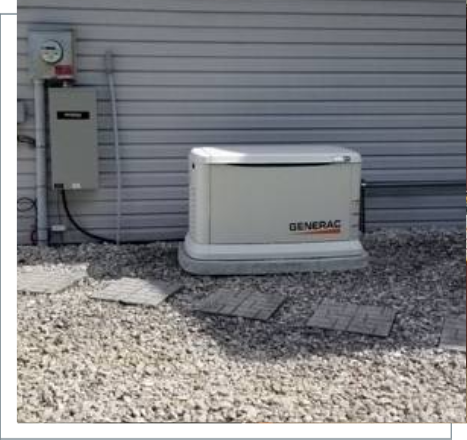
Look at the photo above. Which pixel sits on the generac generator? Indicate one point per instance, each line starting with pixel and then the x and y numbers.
pixel 272 209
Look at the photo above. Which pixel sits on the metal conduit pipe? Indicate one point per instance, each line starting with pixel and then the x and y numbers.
pixel 113 99
pixel 41 163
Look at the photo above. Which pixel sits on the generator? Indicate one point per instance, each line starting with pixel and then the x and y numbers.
pixel 273 209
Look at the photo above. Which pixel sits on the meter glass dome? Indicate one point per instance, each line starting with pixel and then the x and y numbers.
pixel 51 52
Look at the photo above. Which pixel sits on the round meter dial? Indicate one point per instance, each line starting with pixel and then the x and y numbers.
pixel 51 52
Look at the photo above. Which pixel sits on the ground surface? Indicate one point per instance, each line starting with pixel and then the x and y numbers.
pixel 84 360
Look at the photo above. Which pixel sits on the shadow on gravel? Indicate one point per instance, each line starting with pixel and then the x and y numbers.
pixel 421 275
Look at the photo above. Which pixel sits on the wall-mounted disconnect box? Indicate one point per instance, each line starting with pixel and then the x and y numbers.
pixel 73 137
pixel 52 54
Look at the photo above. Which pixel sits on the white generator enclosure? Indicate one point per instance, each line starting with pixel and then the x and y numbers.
pixel 271 209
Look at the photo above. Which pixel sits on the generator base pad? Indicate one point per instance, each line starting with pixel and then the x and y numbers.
pixel 269 266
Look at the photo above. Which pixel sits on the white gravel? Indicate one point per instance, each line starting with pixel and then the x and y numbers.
pixel 81 360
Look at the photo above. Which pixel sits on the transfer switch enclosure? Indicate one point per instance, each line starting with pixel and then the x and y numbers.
pixel 73 138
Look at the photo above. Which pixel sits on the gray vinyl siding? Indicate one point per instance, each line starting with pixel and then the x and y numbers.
pixel 385 77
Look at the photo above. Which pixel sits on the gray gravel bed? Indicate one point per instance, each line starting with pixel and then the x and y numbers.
pixel 82 360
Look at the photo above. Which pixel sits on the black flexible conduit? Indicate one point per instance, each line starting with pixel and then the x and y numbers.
pixel 90 234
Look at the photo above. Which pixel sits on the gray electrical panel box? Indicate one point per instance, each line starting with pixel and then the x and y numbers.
pixel 73 138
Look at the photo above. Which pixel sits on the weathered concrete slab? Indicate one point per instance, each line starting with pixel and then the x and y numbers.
pixel 137 291
pixel 368 320
pixel 244 304
pixel 453 334
pixel 33 279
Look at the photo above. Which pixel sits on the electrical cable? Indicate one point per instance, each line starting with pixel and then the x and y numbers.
pixel 78 226
pixel 26 204
pixel 30 204
pixel 23 139
pixel 90 234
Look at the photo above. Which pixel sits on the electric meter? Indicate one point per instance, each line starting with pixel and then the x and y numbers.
pixel 52 54
pixel 51 51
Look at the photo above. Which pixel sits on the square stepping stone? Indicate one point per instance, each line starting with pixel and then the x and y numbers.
pixel 33 279
pixel 244 304
pixel 367 320
pixel 453 334
pixel 137 291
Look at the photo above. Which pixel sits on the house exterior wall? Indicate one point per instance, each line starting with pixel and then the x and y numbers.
pixel 384 77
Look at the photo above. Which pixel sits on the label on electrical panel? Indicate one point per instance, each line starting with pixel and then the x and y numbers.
pixel 63 70
pixel 76 186
pixel 73 115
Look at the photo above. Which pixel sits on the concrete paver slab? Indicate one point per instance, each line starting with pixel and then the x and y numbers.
pixel 244 304
pixel 33 279
pixel 453 334
pixel 354 318
pixel 137 291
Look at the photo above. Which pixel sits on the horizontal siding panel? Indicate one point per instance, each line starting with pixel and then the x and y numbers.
pixel 351 7
pixel 148 165
pixel 425 223
pixel 25 167
pixel 272 122
pixel 139 194
pixel 25 153
pixel 25 192
pixel 257 50
pixel 128 235
pixel 25 229
pixel 281 122
pixel 285 136
pixel 148 179
pixel 265 65
pixel 23 238
pixel 213 108
pixel 26 183
pixel 235 20
pixel 414 162
pixel 130 207
pixel 415 215
pixel 152 137
pixel 285 108
pixel 239 94
pixel 253 122
pixel 265 80
pixel 415 175
pixel 129 222
pixel 257 35
pixel 424 202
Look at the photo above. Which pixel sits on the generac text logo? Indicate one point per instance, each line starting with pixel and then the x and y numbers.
pixel 316 227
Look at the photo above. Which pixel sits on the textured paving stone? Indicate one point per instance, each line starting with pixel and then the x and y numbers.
pixel 368 320
pixel 39 280
pixel 137 291
pixel 252 305
pixel 453 335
